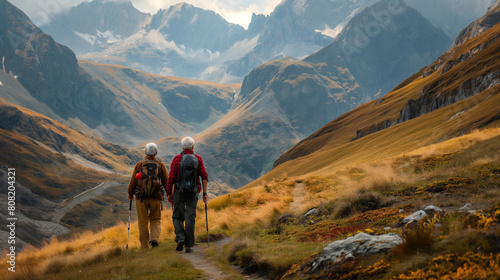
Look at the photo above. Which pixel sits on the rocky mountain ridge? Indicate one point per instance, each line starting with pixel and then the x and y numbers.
pixel 295 28
pixel 93 26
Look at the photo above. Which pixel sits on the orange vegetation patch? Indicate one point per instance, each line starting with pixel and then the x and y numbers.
pixel 374 215
pixel 324 231
pixel 449 184
pixel 483 221
pixel 431 162
pixel 348 269
pixel 453 266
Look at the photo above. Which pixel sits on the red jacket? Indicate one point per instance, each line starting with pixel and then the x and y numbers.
pixel 173 176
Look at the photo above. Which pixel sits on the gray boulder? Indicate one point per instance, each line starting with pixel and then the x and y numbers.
pixel 415 217
pixel 312 212
pixel 467 208
pixel 431 209
pixel 361 244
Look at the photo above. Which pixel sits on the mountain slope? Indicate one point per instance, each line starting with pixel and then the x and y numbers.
pixel 457 93
pixel 92 26
pixel 50 72
pixel 45 149
pixel 53 163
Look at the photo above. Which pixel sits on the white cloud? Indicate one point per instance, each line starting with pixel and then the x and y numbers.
pixel 235 11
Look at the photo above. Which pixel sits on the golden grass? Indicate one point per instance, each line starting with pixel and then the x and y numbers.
pixel 456 144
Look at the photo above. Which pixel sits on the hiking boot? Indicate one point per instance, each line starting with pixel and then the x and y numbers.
pixel 180 245
pixel 189 249
pixel 154 243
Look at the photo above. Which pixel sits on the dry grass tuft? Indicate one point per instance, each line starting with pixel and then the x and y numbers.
pixel 416 239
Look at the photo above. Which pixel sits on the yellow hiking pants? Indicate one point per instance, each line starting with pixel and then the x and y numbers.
pixel 148 211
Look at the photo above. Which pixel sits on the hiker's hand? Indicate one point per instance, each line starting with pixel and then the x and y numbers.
pixel 130 197
pixel 205 199
pixel 170 198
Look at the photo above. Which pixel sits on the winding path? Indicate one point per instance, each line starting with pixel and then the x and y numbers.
pixel 69 203
pixel 299 192
pixel 199 261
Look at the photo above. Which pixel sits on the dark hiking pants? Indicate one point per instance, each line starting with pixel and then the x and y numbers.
pixel 184 212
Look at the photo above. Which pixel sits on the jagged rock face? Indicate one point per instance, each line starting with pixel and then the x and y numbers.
pixel 431 100
pixel 15 31
pixel 361 244
pixel 256 25
pixel 91 26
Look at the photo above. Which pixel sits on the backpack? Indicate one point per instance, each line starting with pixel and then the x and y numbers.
pixel 149 185
pixel 188 174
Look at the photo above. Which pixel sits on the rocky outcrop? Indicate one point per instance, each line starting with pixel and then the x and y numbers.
pixel 361 244
pixel 432 100
pixel 479 26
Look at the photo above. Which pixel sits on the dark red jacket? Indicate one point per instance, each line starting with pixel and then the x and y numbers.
pixel 173 176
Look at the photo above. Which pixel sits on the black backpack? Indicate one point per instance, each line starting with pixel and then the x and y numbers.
pixel 149 185
pixel 188 174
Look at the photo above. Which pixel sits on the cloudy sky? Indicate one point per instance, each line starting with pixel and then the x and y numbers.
pixel 235 11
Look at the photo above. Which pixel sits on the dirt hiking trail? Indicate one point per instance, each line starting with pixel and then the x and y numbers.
pixel 299 192
pixel 200 261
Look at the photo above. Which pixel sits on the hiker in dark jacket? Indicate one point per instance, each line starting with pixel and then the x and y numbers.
pixel 148 206
pixel 184 203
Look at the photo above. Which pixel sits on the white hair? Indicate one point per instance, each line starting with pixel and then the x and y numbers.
pixel 151 149
pixel 187 143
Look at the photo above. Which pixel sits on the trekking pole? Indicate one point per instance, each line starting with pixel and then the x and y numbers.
pixel 206 217
pixel 129 216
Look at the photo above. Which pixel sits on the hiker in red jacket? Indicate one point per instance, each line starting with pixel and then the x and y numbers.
pixel 148 203
pixel 183 188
